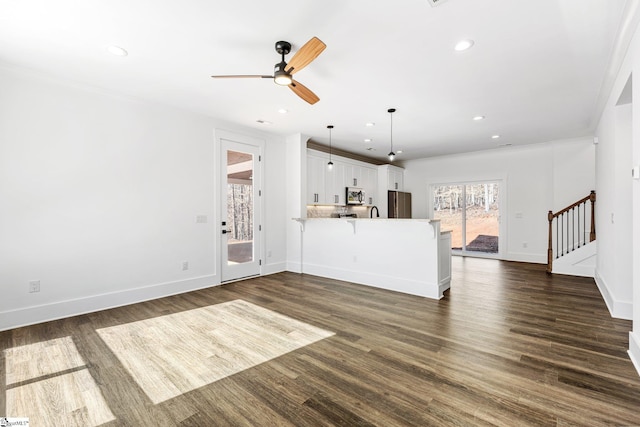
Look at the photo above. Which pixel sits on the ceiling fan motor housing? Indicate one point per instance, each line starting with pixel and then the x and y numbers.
pixel 283 48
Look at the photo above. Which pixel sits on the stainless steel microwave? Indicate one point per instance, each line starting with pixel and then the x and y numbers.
pixel 355 196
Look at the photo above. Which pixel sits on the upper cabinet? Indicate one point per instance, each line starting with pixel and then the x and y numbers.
pixel 370 184
pixel 391 177
pixel 316 168
pixel 328 186
pixel 334 183
pixel 353 175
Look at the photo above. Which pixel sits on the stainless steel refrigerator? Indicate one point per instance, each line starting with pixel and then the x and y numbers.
pixel 399 204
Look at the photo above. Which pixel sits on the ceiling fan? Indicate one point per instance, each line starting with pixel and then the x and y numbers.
pixel 284 71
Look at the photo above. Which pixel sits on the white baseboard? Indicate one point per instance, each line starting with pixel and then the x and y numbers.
pixel 412 287
pixel 634 350
pixel 618 309
pixel 11 319
pixel 294 267
pixel 523 257
pixel 274 268
pixel 574 270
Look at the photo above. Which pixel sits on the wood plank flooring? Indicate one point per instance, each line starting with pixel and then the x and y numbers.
pixel 508 345
pixel 174 354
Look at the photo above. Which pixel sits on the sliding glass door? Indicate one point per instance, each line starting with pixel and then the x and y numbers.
pixel 471 211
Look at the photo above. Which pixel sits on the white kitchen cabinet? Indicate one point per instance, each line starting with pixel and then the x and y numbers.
pixel 328 187
pixel 395 179
pixel 316 167
pixel 370 184
pixel 353 176
pixel 334 184
pixel 390 178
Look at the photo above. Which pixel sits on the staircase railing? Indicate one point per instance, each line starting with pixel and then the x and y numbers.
pixel 570 228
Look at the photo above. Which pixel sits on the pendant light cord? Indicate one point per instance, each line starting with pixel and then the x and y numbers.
pixel 392 131
pixel 330 164
pixel 392 155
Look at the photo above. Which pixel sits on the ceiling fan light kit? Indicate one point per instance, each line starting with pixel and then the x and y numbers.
pixel 283 71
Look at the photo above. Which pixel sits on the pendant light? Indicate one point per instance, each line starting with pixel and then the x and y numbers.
pixel 391 154
pixel 330 164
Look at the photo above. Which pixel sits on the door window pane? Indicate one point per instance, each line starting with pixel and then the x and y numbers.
pixel 239 207
pixel 447 207
pixel 482 217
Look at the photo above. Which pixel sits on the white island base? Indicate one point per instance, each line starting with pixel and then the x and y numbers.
pixel 403 255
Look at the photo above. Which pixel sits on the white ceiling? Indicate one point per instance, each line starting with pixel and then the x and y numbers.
pixel 535 71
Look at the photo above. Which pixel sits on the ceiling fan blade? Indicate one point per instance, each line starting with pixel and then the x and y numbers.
pixel 303 92
pixel 243 76
pixel 305 55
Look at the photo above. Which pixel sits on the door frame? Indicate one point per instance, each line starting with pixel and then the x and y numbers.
pixel 222 137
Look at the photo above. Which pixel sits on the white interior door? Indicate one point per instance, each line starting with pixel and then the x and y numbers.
pixel 240 210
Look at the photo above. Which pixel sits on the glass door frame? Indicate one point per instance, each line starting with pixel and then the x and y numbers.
pixel 240 143
pixel 502 224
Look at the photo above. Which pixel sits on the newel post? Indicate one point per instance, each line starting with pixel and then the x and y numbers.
pixel 550 249
pixel 592 234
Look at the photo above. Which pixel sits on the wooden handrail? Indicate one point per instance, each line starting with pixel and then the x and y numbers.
pixel 568 208
pixel 553 216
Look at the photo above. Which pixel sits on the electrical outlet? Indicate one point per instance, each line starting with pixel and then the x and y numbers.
pixel 185 265
pixel 34 286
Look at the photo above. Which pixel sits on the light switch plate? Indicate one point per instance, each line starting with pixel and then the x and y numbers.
pixel 635 172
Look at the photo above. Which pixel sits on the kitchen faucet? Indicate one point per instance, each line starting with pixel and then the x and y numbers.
pixel 371 212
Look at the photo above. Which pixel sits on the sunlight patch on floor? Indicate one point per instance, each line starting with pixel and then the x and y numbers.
pixel 48 382
pixel 174 354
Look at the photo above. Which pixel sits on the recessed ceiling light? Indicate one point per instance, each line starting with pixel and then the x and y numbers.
pixel 495 136
pixel 283 111
pixel 264 122
pixel 117 50
pixel 399 152
pixel 478 118
pixel 370 124
pixel 463 45
pixel 371 149
pixel 367 140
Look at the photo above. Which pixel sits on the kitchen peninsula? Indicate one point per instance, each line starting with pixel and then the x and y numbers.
pixel 403 255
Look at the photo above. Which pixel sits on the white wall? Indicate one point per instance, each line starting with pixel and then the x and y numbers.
pixel 618 264
pixel 613 209
pixel 296 188
pixel 275 199
pixel 538 178
pixel 99 197
pixel 634 336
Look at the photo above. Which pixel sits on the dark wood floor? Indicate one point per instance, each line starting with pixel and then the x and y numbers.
pixel 508 345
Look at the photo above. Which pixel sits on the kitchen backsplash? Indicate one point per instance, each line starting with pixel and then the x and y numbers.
pixel 335 211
